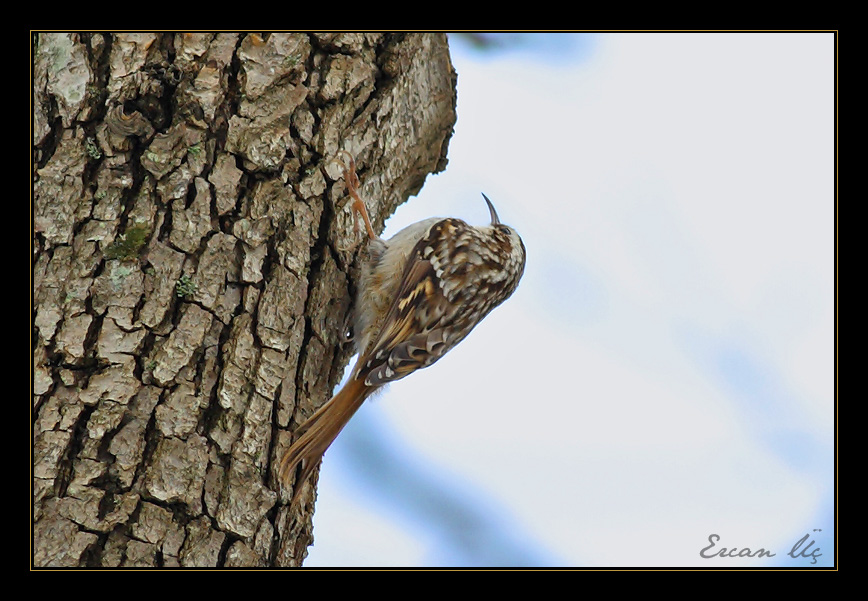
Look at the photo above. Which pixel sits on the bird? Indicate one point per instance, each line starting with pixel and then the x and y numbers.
pixel 419 294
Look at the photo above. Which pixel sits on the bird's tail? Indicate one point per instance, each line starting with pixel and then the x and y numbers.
pixel 319 432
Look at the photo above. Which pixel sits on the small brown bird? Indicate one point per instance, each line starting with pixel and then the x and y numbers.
pixel 419 294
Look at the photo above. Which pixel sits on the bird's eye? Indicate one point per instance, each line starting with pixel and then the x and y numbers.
pixel 505 230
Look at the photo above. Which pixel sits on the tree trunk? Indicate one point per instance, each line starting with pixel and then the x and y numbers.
pixel 192 274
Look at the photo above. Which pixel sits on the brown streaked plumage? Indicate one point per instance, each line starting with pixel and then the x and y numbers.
pixel 419 294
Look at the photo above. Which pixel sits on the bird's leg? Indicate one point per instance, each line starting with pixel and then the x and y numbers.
pixel 352 181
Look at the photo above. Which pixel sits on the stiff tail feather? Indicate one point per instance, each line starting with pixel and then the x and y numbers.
pixel 320 431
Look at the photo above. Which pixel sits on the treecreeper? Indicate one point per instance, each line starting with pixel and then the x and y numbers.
pixel 419 294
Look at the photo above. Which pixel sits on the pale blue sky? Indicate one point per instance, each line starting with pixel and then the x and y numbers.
pixel 665 371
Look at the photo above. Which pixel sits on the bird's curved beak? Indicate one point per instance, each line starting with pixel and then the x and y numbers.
pixel 494 219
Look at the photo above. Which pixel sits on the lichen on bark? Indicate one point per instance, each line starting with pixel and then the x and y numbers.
pixel 192 271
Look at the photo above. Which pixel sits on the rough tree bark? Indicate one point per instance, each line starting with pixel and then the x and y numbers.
pixel 192 274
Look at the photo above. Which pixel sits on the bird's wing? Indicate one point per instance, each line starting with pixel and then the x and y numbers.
pixel 428 315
